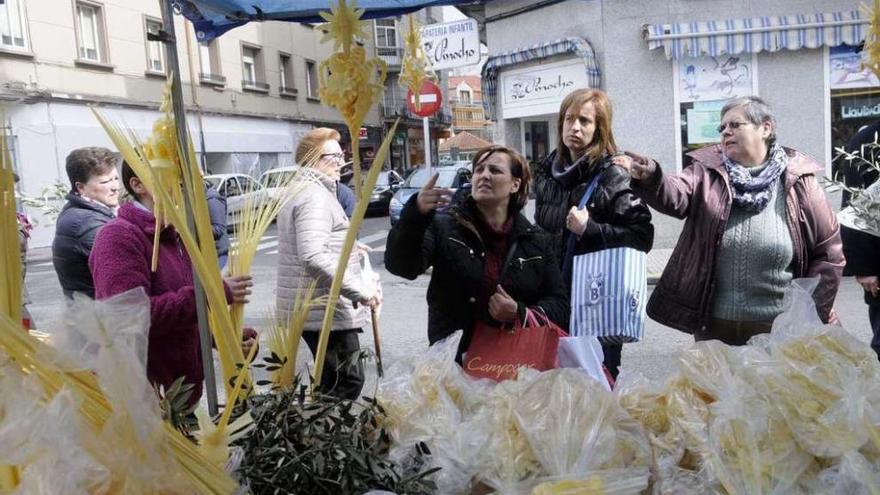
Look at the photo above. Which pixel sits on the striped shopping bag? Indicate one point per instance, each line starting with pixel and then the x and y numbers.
pixel 608 289
pixel 608 295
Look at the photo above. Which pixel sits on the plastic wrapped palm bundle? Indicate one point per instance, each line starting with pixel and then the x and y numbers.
pixel 584 440
pixel 826 384
pixel 508 463
pixel 424 397
pixel 675 468
pixel 94 429
pixel 751 449
pixel 48 442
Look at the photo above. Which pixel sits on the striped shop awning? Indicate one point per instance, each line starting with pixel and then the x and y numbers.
pixel 770 34
pixel 577 46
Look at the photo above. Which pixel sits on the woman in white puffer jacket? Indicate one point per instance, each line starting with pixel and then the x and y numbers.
pixel 311 231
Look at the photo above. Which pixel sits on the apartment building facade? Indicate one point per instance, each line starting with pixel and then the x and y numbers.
pixel 408 147
pixel 250 94
pixel 466 104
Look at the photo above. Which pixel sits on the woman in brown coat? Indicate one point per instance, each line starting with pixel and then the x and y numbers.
pixel 755 218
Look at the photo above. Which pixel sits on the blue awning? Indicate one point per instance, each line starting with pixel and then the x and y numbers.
pixel 577 46
pixel 211 18
pixel 757 34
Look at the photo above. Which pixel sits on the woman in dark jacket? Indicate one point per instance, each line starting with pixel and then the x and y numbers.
pixel 470 244
pixel 755 216
pixel 91 203
pixel 614 216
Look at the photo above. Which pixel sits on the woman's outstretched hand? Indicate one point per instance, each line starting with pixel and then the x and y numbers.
pixel 432 197
pixel 639 168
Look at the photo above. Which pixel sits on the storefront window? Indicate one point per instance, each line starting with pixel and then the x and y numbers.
pixel 855 97
pixel 703 86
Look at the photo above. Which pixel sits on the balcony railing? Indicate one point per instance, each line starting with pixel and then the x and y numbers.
pixel 442 117
pixel 391 55
pixel 254 85
pixel 465 104
pixel 212 78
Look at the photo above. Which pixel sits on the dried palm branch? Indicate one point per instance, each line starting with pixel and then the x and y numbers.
pixel 284 338
pixel 351 88
pixel 349 81
pixel 10 265
pixel 10 259
pixel 416 66
pixel 43 364
pixel 257 214
pixel 871 51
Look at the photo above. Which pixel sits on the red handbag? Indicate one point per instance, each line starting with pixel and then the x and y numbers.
pixel 499 354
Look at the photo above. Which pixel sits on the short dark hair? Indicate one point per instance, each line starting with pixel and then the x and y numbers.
pixel 127 175
pixel 519 169
pixel 84 163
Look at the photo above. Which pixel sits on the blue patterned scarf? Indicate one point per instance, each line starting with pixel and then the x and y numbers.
pixel 752 191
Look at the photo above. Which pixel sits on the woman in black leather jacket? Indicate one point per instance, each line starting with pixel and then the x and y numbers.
pixel 470 243
pixel 615 216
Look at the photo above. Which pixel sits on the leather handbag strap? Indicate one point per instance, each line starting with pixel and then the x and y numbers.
pixel 507 258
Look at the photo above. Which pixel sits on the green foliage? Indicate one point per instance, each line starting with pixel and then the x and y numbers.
pixel 323 445
pixel 173 406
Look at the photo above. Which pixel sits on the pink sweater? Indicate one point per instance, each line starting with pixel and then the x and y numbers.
pixel 120 261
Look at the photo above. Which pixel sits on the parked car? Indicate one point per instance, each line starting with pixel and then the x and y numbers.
pixel 238 189
pixel 387 184
pixel 451 177
pixel 274 180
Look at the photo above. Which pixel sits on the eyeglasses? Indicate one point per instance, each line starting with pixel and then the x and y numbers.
pixel 732 125
pixel 335 156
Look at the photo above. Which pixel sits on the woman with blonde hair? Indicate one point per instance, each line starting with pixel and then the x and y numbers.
pixel 311 231
pixel 614 216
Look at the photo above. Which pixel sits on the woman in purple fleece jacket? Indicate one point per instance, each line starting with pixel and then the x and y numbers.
pixel 120 260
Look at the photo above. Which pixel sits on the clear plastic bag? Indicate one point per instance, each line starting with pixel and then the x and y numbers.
pixel 825 382
pixel 54 459
pixel 114 343
pixel 425 398
pixel 576 428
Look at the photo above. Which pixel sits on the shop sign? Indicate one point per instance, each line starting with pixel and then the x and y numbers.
pixel 362 133
pixel 845 69
pixel 452 44
pixel 859 111
pixel 539 90
pixel 715 78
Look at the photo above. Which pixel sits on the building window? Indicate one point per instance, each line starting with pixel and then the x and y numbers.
pixel 388 98
pixel 386 37
pixel 311 79
pixel 155 50
pixel 209 63
pixel 13 28
pixel 464 96
pixel 253 69
pixel 285 73
pixel 91 33
pixel 703 86
pixel 249 64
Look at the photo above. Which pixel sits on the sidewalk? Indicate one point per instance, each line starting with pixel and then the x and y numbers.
pixel 657 259
pixel 39 255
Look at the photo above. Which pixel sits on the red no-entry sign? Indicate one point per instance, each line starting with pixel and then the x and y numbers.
pixel 430 98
